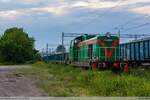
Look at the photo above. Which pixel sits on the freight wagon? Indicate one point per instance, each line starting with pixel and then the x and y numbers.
pixel 136 52
pixel 58 57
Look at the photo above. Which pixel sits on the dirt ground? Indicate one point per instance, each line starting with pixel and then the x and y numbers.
pixel 17 85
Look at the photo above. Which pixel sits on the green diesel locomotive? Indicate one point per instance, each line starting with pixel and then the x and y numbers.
pixel 105 49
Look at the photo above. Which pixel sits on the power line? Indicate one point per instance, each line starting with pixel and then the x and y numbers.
pixel 121 35
pixel 140 29
pixel 103 14
pixel 131 28
pixel 121 29
pixel 132 20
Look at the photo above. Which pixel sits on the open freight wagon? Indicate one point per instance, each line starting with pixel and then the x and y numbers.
pixel 137 51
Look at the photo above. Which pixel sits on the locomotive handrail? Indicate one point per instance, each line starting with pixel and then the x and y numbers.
pixel 99 55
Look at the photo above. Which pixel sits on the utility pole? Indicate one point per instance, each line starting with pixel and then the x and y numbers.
pixel 136 37
pixel 50 52
pixel 119 34
pixel 119 31
pixel 62 38
pixel 42 52
pixel 47 49
pixel 63 55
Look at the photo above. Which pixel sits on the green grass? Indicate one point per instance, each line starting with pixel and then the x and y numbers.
pixel 62 80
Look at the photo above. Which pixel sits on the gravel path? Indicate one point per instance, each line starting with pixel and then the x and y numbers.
pixel 17 85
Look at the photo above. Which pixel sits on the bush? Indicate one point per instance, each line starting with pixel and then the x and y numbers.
pixel 16 46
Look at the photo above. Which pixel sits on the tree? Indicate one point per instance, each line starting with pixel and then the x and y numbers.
pixel 16 46
pixel 60 49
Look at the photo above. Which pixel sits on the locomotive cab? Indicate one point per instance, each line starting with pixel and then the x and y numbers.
pixel 74 49
pixel 73 55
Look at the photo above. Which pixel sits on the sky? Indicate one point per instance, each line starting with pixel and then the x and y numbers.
pixel 45 20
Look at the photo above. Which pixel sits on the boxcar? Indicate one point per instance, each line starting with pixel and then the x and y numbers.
pixel 136 51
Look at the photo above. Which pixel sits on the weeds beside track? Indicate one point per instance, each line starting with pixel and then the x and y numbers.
pixel 65 80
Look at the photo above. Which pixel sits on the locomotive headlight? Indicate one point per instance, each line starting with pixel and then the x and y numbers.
pixel 108 35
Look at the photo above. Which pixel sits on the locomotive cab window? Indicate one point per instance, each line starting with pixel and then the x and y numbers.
pixel 72 43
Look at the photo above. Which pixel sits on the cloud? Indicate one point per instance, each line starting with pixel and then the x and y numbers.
pixel 5 1
pixel 49 9
pixel 22 1
pixel 142 10
pixel 140 7
pixel 70 8
pixel 43 18
pixel 94 5
pixel 134 2
pixel 10 14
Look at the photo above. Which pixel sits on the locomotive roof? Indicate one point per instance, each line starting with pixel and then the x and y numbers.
pixel 94 38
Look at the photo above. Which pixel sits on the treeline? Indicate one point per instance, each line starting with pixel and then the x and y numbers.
pixel 17 47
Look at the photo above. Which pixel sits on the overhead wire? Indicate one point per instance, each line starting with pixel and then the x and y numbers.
pixel 103 14
pixel 135 27
pixel 132 20
pixel 140 29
